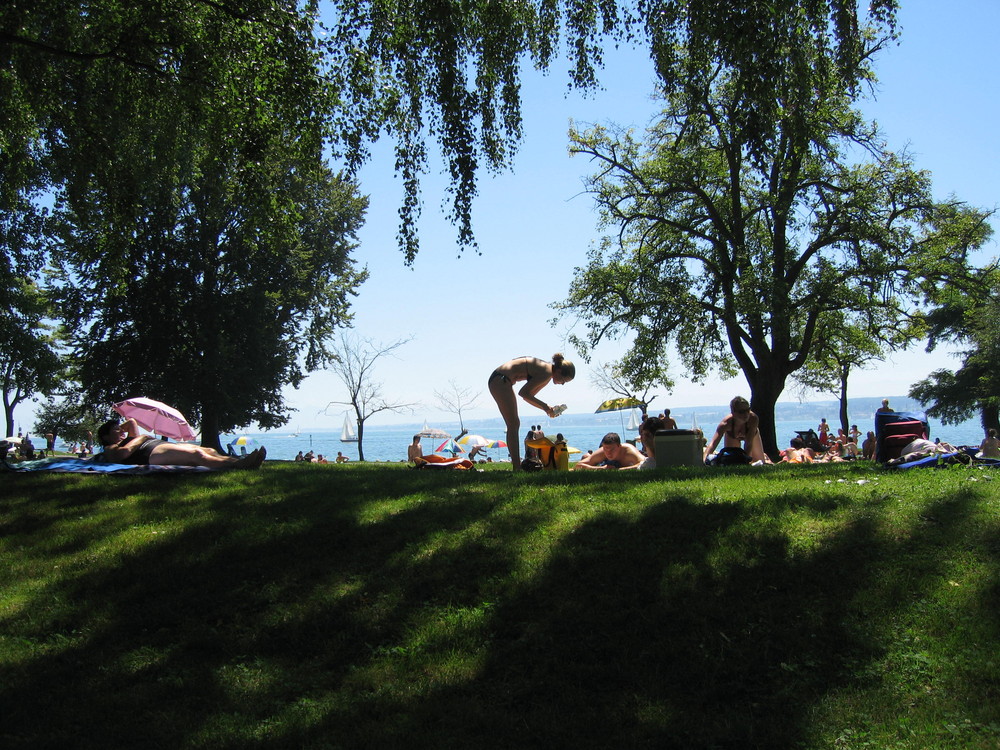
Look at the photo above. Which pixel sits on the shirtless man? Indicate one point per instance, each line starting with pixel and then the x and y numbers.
pixel 740 429
pixel 613 454
pixel 414 450
pixel 647 436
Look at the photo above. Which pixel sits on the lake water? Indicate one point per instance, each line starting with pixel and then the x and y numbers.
pixel 389 442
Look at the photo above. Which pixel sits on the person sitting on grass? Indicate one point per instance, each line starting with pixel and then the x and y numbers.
pixel 739 429
pixel 414 449
pixel 125 444
pixel 868 447
pixel 849 448
pixel 613 454
pixel 990 447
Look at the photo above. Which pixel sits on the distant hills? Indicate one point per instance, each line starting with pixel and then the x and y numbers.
pixel 859 410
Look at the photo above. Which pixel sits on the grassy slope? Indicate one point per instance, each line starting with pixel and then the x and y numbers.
pixel 375 606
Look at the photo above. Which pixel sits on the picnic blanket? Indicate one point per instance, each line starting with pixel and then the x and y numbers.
pixel 89 466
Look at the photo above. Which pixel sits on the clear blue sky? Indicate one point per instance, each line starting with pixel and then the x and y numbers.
pixel 938 96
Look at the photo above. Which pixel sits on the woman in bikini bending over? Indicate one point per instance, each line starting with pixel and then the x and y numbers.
pixel 738 430
pixel 535 374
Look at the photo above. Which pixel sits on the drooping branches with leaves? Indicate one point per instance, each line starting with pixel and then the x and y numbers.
pixel 160 124
pixel 735 254
pixel 438 78
pixel 210 268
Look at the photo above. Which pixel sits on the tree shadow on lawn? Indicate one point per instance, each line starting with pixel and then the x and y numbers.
pixel 653 633
pixel 668 639
pixel 274 595
pixel 273 623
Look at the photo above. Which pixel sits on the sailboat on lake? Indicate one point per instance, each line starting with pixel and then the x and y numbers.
pixel 633 421
pixel 347 434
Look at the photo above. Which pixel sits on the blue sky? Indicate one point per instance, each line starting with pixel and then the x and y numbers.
pixel 937 96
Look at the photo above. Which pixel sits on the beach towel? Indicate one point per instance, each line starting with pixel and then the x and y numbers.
pixel 89 466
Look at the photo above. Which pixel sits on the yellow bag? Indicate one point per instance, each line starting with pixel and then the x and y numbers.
pixel 552 455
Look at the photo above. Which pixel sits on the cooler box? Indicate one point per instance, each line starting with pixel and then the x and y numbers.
pixel 678 448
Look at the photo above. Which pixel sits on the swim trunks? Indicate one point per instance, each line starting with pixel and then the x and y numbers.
pixel 140 456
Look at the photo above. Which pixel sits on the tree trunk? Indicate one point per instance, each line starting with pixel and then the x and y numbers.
pixel 210 429
pixel 763 397
pixel 844 372
pixel 361 440
pixel 990 417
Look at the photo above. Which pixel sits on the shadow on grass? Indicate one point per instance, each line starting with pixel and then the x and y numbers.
pixel 288 610
pixel 656 633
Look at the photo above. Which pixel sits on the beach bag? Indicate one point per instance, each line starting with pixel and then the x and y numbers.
pixel 731 456
pixel 550 455
pixel 531 464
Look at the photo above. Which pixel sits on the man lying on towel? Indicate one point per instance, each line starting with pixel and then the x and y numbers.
pixel 124 444
pixel 440 462
pixel 921 448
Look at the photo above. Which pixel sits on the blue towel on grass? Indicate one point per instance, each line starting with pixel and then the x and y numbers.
pixel 89 466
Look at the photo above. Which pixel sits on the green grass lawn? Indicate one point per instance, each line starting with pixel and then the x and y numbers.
pixel 373 606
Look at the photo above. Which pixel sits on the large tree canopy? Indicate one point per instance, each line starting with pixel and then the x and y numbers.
pixel 424 72
pixel 173 131
pixel 209 267
pixel 736 253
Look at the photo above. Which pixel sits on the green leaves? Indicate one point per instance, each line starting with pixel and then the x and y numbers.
pixel 767 249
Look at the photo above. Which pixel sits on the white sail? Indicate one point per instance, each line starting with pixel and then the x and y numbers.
pixel 347 433
pixel 633 423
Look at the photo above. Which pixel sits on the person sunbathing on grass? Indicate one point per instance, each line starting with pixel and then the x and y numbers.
pixel 797 453
pixel 124 444
pixel 613 454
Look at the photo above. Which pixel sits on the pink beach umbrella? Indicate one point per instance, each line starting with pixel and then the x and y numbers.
pixel 156 417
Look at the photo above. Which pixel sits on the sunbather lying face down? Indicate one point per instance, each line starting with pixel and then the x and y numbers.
pixel 613 454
